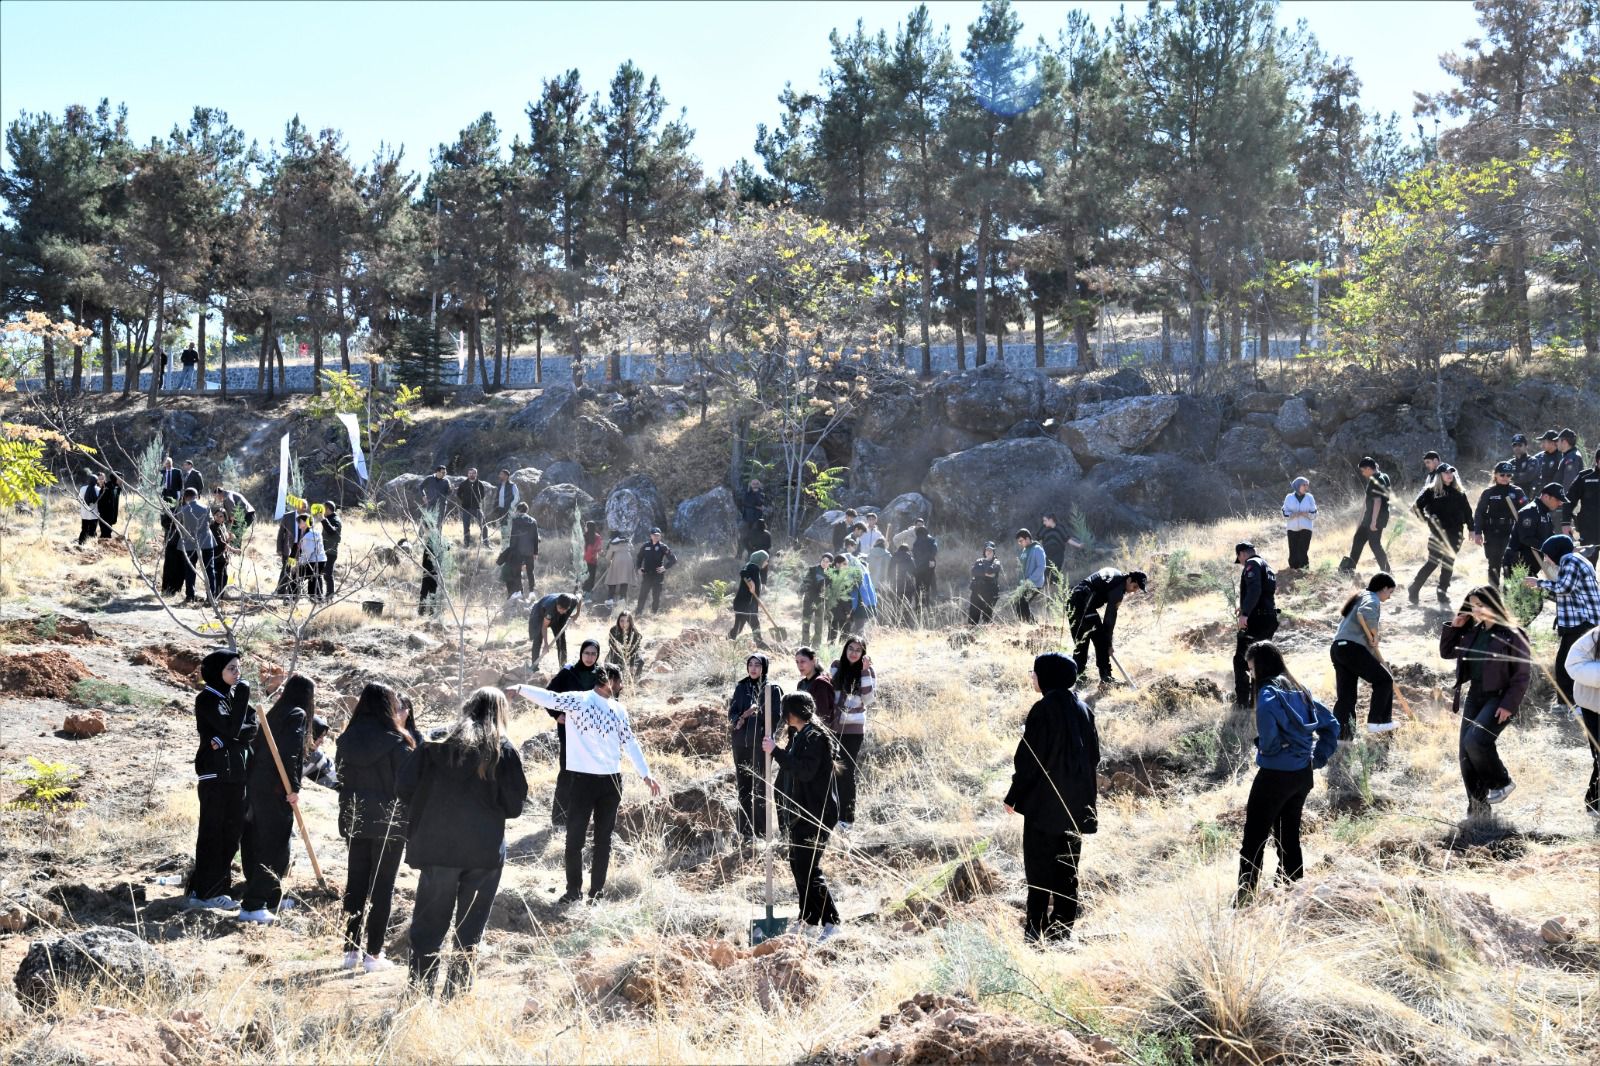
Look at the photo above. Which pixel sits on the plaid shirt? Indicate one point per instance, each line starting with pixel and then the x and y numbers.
pixel 1576 592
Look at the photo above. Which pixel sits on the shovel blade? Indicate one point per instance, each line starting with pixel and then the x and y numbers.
pixel 767 928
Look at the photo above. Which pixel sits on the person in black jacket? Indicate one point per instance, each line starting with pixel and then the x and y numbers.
pixel 814 600
pixel 1581 514
pixel 810 766
pixel 1257 617
pixel 460 791
pixel 1548 458
pixel 1569 463
pixel 841 529
pixel 332 531
pixel 752 713
pixel 578 676
pixel 1055 542
pixel 1374 517
pixel 372 751
pixel 1496 516
pixel 547 623
pixel 1536 523
pixel 925 554
pixel 269 815
pixel 227 726
pixel 1053 788
pixel 110 504
pixel 752 509
pixel 1104 588
pixel 984 589
pixel 760 538
pixel 1524 467
pixel 521 551
pixel 1444 506
pixel 470 494
pixel 653 562
pixel 747 598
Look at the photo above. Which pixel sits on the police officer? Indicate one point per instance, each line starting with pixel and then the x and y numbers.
pixel 1524 467
pixel 653 562
pixel 1258 614
pixel 1496 516
pixel 1103 588
pixel 1536 523
pixel 1569 464
pixel 1549 459
pixel 1582 512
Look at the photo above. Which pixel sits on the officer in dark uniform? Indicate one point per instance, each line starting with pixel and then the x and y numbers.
pixel 1549 459
pixel 1103 588
pixel 1569 464
pixel 1524 467
pixel 1536 523
pixel 1258 614
pixel 1583 505
pixel 1496 517
pixel 652 563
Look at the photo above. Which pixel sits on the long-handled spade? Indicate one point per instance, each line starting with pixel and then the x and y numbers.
pixel 770 926
pixel 299 819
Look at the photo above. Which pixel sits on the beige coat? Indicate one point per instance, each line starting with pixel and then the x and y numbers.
pixel 619 564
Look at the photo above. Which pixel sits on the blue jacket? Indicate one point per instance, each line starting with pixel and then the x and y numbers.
pixel 1033 565
pixel 1293 730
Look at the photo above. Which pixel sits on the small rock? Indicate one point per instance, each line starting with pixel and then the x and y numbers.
pixel 1556 932
pixel 101 953
pixel 90 724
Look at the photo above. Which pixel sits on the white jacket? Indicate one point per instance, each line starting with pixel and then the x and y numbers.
pixel 88 510
pixel 1583 663
pixel 1300 511
pixel 597 730
pixel 311 547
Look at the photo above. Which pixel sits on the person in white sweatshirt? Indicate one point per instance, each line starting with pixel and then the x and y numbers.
pixel 598 734
pixel 1300 513
pixel 312 556
pixel 1583 663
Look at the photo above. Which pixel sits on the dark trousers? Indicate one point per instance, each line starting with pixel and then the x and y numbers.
pixel 1441 557
pixel 1569 637
pixel 850 746
pixel 369 892
pixel 264 852
pixel 1277 799
pixel 428 594
pixel 558 637
pixel 1086 629
pixel 1257 627
pixel 470 519
pixel 594 572
pixel 105 529
pixel 1299 549
pixel 514 570
pixel 218 573
pixel 222 806
pixel 562 799
pixel 838 620
pixel 327 574
pixel 1494 550
pixel 924 589
pixel 1481 768
pixel 1050 863
pixel 450 899
pixel 311 575
pixel 747 618
pixel 619 593
pixel 980 606
pixel 87 528
pixel 1363 538
pixel 288 579
pixel 813 622
pixel 1591 732
pixel 1352 662
pixel 807 842
pixel 1025 604
pixel 595 797
pixel 747 770
pixel 191 570
pixel 650 585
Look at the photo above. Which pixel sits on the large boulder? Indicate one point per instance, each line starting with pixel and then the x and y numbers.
pixel 904 510
pixel 461 444
pixel 527 479
pixel 1151 490
pixel 547 413
pixel 993 398
pixel 1397 437
pixel 1125 382
pixel 869 464
pixel 710 519
pixel 1003 484
pixel 1251 455
pixel 98 955
pixel 1294 423
pixel 634 507
pixel 1194 431
pixel 1117 427
pixel 557 508
pixel 593 439
pixel 567 472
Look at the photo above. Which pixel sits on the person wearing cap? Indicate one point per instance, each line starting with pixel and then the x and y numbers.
pixel 1374 517
pixel 1549 458
pixel 984 588
pixel 1577 597
pixel 1258 614
pixel 1106 589
pixel 652 564
pixel 1299 515
pixel 1496 516
pixel 1443 505
pixel 1536 523
pixel 1524 467
pixel 1569 464
pixel 1582 510
pixel 1430 468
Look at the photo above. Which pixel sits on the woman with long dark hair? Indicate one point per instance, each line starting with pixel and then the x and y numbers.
pixel 227 726
pixel 580 675
pixel 854 688
pixel 269 813
pixel 625 644
pixel 1355 658
pixel 1493 662
pixel 591 553
pixel 752 713
pixel 810 800
pixel 1444 506
pixel 1294 735
pixel 460 791
pixel 372 751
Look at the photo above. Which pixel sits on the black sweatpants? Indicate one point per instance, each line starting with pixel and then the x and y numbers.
pixel 747 770
pixel 650 585
pixel 369 892
pixel 87 529
pixel 1086 629
pixel 1352 663
pixel 327 573
pixel 450 899
pixel 747 618
pixel 595 797
pixel 980 607
pixel 1299 549
pixel 850 745
pixel 1257 627
pixel 1479 751
pixel 1363 538
pixel 558 637
pixel 1441 557
pixel 1277 800
pixel 222 806
pixel 1025 604
pixel 264 851
pixel 1050 863
pixel 807 842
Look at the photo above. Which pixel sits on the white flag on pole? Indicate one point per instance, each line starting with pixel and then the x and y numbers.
pixel 354 427
pixel 283 477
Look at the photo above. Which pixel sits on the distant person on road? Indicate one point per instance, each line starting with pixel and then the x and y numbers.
pixel 1374 517
pixel 190 359
pixel 269 812
pixel 1103 589
pixel 1495 517
pixel 1355 658
pixel 1492 661
pixel 1257 615
pixel 227 726
pixel 1443 505
pixel 1299 517
pixel 984 589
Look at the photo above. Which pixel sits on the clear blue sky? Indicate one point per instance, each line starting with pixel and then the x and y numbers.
pixel 414 73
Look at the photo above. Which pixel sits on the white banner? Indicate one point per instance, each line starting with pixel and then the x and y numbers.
pixel 283 477
pixel 354 427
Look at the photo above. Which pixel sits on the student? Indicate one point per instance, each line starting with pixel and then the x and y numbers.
pixel 619 569
pixel 814 604
pixel 1055 542
pixel 592 542
pixel 1443 505
pixel 841 529
pixel 227 726
pixel 652 564
pixel 843 581
pixel 332 533
pixel 1294 736
pixel 1577 596
pixel 460 791
pixel 1105 588
pixel 1374 517
pixel 548 621
pixel 109 505
pixel 903 574
pixel 1033 569
pixel 625 644
pixel 222 537
pixel 818 684
pixel 752 509
pixel 1495 517
pixel 89 508
pixel 600 735
pixel 1583 666
pixel 578 676
pixel 269 813
pixel 1257 615
pixel 1354 654
pixel 854 688
pixel 313 560
pixel 810 765
pixel 752 713
pixel 1492 657
pixel 984 588
pixel 1300 515
pixel 470 494
pixel 747 598
pixel 1053 787
pixel 925 553
pixel 760 539
pixel 371 753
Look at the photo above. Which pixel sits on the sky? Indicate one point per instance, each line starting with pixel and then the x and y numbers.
pixel 415 73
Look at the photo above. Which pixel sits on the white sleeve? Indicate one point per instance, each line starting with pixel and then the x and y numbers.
pixel 630 744
pixel 555 701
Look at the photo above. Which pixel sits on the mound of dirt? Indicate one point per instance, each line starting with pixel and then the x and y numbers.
pixel 1168 695
pixel 700 731
pixel 107 1034
pixel 1138 776
pixel 48 629
pixel 1210 635
pixel 969 881
pixel 685 644
pixel 41 675
pixel 929 1028
pixel 91 724
pixel 178 666
pixel 687 970
pixel 693 819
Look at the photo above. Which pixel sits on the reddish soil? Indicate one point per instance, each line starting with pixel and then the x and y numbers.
pixel 181 666
pixel 43 675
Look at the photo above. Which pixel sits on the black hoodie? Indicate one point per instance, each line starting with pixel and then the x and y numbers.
pixel 810 778
pixel 458 818
pixel 746 736
pixel 371 754
pixel 1054 784
pixel 225 721
pixel 288 725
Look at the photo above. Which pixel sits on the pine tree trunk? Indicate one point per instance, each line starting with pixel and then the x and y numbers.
pixel 499 338
pixel 927 308
pixel 49 361
pixel 200 348
pixel 158 358
pixel 961 343
pixel 263 371
pixel 222 353
pixel 77 369
pixel 538 355
pixel 283 376
pixel 1080 338
pixel 108 352
pixel 483 362
pixel 316 360
pixel 344 330
pixel 1166 335
pixel 980 339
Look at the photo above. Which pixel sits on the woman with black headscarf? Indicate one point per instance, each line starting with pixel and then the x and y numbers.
pixel 227 726
pixel 269 813
pixel 110 504
pixel 1053 788
pixel 579 676
pixel 752 713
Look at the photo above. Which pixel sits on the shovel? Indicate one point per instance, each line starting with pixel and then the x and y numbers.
pixel 779 634
pixel 770 926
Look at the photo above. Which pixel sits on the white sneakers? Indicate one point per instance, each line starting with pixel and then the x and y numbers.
pixel 1498 795
pixel 376 964
pixel 828 933
pixel 1382 727
pixel 215 903
pixel 843 827
pixel 260 917
pixel 352 959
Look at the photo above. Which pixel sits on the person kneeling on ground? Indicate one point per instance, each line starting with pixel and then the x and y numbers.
pixel 1054 789
pixel 810 800
pixel 1492 657
pixel 460 791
